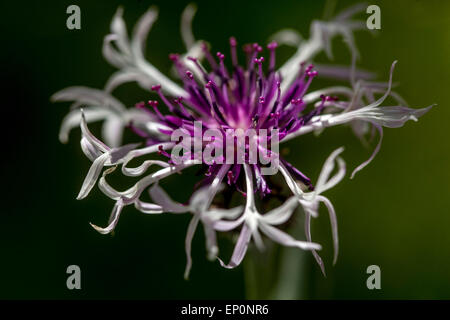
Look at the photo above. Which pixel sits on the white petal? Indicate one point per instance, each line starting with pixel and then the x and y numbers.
pixel 186 25
pixel 90 137
pixel 141 31
pixel 92 176
pixel 240 249
pixel 282 213
pixel 215 214
pixel 73 118
pixel 308 237
pixel 323 183
pixel 148 208
pixel 89 96
pixel 89 150
pixel 119 28
pixel 334 228
pixel 225 225
pixel 111 54
pixel 162 199
pixel 112 131
pixel 288 37
pixel 188 243
pixel 375 151
pixel 126 75
pixel 285 239
pixel 117 154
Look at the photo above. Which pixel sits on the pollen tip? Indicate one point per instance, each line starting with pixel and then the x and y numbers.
pixel 220 55
pixel 156 87
pixel 190 75
pixel 233 42
pixel 312 73
pixel 273 45
pixel 174 56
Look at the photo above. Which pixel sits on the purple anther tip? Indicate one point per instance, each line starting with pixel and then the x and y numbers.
pixel 190 75
pixel 156 87
pixel 273 45
pixel 257 47
pixel 233 42
pixel 204 46
pixel 174 56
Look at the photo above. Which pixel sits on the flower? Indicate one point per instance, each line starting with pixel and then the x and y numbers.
pixel 209 109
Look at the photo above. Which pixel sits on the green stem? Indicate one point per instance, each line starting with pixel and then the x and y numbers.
pixel 277 273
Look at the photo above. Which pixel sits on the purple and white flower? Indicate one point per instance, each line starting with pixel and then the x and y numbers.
pixel 255 95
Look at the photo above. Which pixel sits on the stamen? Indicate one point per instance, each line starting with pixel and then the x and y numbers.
pixel 223 70
pixel 190 75
pixel 166 101
pixel 277 101
pixel 209 86
pixel 154 104
pixel 233 44
pixel 272 46
pixel 200 67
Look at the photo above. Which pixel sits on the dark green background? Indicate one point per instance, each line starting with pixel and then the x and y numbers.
pixel 394 214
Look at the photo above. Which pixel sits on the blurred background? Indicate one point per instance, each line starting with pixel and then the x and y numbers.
pixel 394 214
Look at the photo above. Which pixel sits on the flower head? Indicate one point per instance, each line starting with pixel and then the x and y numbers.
pixel 230 122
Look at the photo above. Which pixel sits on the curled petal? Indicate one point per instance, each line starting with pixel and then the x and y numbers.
pixel 90 137
pixel 141 31
pixel 315 95
pixel 148 208
pixel 285 239
pixel 162 199
pixel 211 242
pixel 288 37
pixel 334 228
pixel 223 225
pixel 188 243
pixel 215 214
pixel 92 176
pixel 240 249
pixel 89 150
pixel 375 151
pixel 119 28
pixel 119 153
pixel 110 53
pixel 73 118
pixel 126 75
pixel 392 117
pixel 323 183
pixel 112 131
pixel 89 96
pixel 308 237
pixel 342 72
pixel 113 219
pixel 282 213
pixel 137 171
